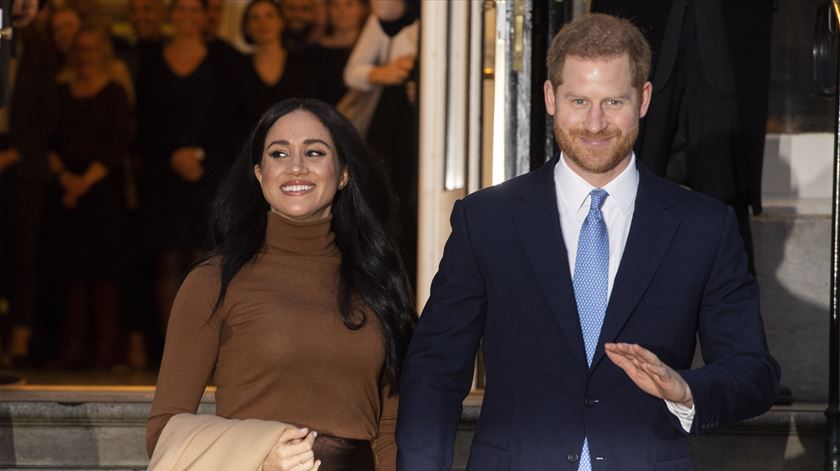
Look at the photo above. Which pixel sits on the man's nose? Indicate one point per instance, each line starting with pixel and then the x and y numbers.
pixel 595 119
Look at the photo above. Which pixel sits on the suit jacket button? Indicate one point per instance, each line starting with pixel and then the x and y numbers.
pixel 572 457
pixel 589 401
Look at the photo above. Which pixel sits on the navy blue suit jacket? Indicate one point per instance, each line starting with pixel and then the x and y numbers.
pixel 504 284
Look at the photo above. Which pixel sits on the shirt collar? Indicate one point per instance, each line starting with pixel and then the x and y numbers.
pixel 574 190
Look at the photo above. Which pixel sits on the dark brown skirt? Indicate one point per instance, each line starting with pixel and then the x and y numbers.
pixel 343 454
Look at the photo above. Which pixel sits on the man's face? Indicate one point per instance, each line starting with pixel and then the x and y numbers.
pixel 596 113
pixel 65 24
pixel 146 17
pixel 298 14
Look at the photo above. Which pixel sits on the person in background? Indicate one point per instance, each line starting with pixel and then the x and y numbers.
pixel 300 315
pixel 711 80
pixel 299 17
pixel 320 21
pixel 345 21
pixel 86 220
pixel 385 56
pixel 217 46
pixel 45 42
pixel 147 18
pixel 272 73
pixel 183 107
pixel 24 11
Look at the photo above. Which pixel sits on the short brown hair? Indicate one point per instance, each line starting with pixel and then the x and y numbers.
pixel 599 36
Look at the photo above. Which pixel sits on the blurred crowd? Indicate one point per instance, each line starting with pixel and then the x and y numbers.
pixel 117 137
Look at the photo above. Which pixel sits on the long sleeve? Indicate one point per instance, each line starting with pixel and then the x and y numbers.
pixel 740 378
pixel 365 56
pixel 192 346
pixel 384 445
pixel 438 369
pixel 32 117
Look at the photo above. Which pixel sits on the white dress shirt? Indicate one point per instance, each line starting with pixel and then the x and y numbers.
pixel 573 205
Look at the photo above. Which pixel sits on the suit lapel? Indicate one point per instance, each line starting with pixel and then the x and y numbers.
pixel 538 226
pixel 651 232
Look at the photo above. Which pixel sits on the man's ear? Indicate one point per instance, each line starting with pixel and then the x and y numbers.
pixel 548 91
pixel 644 103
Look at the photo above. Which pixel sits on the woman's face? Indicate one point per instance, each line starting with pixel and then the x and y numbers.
pixel 346 15
pixel 388 10
pixel 263 23
pixel 299 172
pixel 188 17
pixel 88 51
pixel 65 25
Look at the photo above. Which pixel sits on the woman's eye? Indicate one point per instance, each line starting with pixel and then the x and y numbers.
pixel 315 153
pixel 276 154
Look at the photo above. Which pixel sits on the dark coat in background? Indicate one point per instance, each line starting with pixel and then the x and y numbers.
pixel 707 120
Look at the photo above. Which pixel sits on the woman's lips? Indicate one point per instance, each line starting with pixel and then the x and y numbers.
pixel 297 187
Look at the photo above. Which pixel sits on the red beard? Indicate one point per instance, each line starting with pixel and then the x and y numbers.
pixel 596 160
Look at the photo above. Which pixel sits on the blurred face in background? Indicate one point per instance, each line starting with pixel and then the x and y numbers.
pixel 346 15
pixel 215 9
pixel 387 10
pixel 263 23
pixel 188 17
pixel 146 17
pixel 89 52
pixel 65 25
pixel 298 14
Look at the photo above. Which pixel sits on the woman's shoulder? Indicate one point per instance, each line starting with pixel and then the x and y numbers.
pixel 205 275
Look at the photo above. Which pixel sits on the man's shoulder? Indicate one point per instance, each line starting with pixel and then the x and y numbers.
pixel 510 192
pixel 681 201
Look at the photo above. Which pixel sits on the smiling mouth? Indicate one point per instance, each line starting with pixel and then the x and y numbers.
pixel 596 142
pixel 297 188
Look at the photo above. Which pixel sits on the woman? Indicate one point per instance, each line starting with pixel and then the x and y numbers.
pixel 46 42
pixel 181 107
pixel 385 57
pixel 345 21
pixel 303 313
pixel 271 74
pixel 87 217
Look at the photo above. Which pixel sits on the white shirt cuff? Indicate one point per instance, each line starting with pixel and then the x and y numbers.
pixel 685 414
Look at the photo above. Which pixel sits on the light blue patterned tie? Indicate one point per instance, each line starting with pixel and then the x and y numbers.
pixel 590 282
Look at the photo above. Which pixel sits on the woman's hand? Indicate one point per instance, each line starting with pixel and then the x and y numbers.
pixel 74 187
pixel 393 73
pixel 186 162
pixel 293 452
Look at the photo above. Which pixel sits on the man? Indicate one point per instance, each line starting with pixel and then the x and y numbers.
pixel 299 18
pixel 587 282
pixel 147 18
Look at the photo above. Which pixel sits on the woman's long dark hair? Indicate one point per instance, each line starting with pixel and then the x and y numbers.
pixel 363 223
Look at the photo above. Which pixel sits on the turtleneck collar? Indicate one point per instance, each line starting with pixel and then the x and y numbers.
pixel 286 237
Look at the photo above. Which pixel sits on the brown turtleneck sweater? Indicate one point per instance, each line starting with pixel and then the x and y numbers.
pixel 277 348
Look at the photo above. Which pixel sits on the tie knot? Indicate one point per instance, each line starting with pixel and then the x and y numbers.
pixel 597 197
